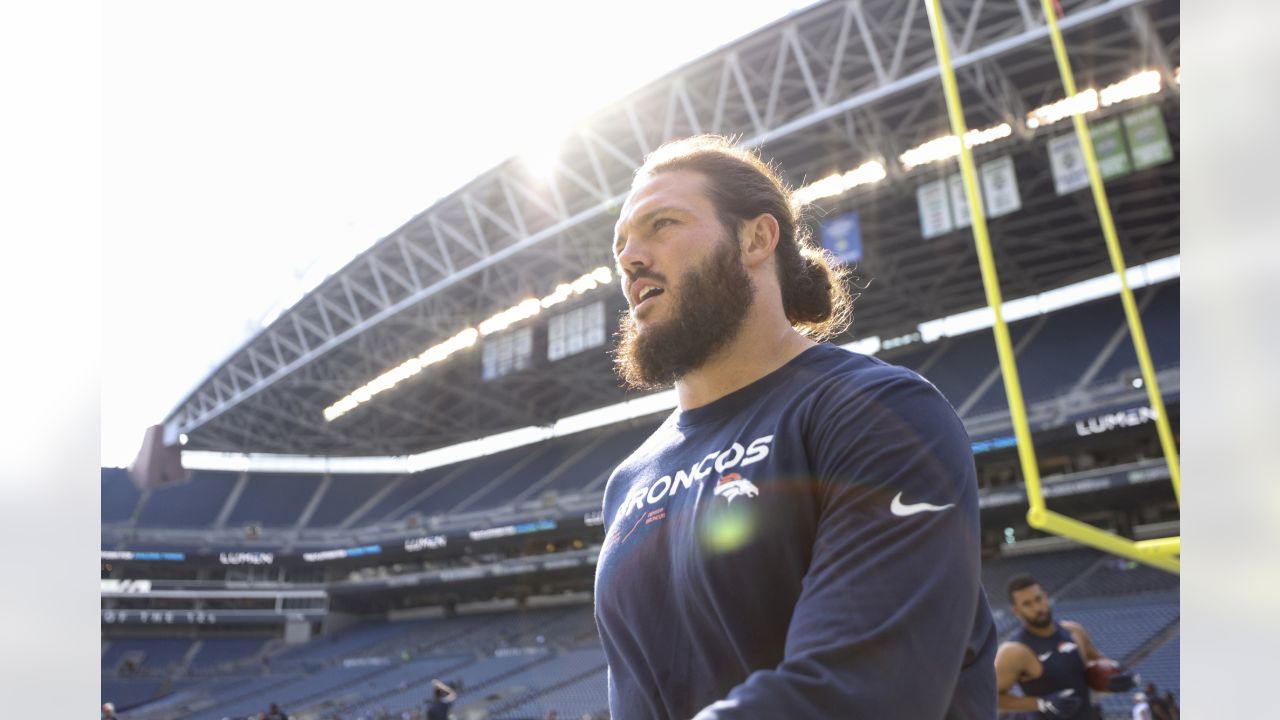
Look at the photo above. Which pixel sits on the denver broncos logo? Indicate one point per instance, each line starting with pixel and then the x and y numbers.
pixel 734 485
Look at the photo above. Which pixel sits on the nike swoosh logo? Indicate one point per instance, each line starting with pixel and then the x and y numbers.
pixel 897 507
pixel 1045 656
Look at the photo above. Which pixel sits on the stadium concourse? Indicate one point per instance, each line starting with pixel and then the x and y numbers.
pixel 400 479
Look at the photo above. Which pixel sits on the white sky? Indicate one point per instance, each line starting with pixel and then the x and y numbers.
pixel 251 148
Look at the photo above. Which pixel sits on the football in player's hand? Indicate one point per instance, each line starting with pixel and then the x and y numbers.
pixel 1106 676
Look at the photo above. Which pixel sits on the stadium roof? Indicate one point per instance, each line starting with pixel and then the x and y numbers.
pixel 821 92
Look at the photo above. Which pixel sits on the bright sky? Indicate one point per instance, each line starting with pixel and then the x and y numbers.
pixel 252 148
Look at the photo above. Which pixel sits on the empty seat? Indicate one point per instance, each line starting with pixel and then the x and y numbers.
pixel 273 500
pixel 119 495
pixel 195 503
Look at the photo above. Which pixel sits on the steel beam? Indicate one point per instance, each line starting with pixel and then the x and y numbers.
pixel 808 71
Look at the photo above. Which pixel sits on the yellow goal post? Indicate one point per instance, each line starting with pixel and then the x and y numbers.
pixel 1162 553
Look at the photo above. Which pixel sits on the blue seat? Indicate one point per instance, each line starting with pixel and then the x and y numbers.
pixel 119 495
pixel 273 500
pixel 193 504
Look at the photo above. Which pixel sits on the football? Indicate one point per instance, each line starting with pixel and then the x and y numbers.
pixel 1099 672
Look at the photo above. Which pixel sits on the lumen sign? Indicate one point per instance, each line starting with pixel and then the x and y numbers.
pixel 1132 417
pixel 246 558
pixel 430 542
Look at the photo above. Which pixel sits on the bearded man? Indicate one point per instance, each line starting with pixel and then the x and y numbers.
pixel 800 538
pixel 1049 660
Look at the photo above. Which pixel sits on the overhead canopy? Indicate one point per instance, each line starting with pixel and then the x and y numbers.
pixel 821 92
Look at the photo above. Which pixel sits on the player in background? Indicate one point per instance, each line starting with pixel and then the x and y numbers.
pixel 442 698
pixel 1050 661
pixel 1141 709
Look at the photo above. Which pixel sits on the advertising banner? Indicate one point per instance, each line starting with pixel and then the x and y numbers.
pixel 1148 139
pixel 1109 146
pixel 1000 187
pixel 1067 162
pixel 959 203
pixel 842 235
pixel 935 211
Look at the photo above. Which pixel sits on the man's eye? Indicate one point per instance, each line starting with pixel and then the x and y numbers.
pixel 662 222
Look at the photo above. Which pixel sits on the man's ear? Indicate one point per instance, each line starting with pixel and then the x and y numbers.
pixel 759 238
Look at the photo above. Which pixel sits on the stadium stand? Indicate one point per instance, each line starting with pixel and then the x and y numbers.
pixel 533 472
pixel 396 496
pixel 967 360
pixel 272 500
pixel 576 698
pixel 344 494
pixel 554 471
pixel 564 669
pixel 1119 577
pixel 475 678
pixel 376 691
pixel 308 689
pixel 988 395
pixel 195 503
pixel 349 643
pixel 466 479
pixel 217 652
pixel 1051 360
pixel 569 464
pixel 1160 322
pixel 596 467
pixel 144 656
pixel 128 694
pixel 1056 356
pixel 1120 626
pixel 119 495
pixel 1053 571
pixel 520 664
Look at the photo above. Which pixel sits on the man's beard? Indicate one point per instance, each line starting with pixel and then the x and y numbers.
pixel 712 301
pixel 1042 623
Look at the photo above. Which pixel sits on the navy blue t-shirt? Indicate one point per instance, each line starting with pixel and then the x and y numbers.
pixel 804 547
pixel 1064 667
pixel 438 710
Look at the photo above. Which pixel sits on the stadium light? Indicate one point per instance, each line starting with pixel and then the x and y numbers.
pixel 1086 101
pixel 405 370
pixel 440 352
pixel 1131 88
pixel 835 184
pixel 512 315
pixel 948 147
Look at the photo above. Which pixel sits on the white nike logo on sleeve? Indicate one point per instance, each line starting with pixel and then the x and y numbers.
pixel 897 507
pixel 1045 656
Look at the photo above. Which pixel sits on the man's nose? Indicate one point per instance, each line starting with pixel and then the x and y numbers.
pixel 633 255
